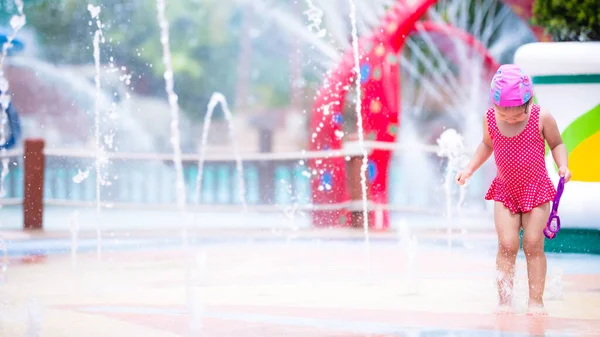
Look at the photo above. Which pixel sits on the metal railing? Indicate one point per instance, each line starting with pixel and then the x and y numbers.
pixel 149 179
pixel 272 180
pixel 13 182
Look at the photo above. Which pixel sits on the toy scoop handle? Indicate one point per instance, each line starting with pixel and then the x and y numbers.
pixel 553 224
pixel 559 191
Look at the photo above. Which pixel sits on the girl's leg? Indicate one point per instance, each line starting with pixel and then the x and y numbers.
pixel 508 225
pixel 533 246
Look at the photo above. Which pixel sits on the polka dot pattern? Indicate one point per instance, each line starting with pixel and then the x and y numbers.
pixel 522 182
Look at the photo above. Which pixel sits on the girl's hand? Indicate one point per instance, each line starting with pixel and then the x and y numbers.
pixel 463 176
pixel 563 171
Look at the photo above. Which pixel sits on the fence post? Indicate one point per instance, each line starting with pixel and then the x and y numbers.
pixel 266 174
pixel 33 184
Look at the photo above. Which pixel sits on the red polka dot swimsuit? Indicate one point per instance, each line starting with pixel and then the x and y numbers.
pixel 522 182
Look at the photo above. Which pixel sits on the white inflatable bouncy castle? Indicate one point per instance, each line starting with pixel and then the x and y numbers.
pixel 566 77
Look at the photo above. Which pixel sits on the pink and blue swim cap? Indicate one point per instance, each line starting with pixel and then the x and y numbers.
pixel 511 86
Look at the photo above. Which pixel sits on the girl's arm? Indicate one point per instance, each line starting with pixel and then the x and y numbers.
pixel 483 153
pixel 484 150
pixel 559 151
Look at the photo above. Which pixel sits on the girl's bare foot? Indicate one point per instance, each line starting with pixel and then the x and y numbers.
pixel 536 309
pixel 504 309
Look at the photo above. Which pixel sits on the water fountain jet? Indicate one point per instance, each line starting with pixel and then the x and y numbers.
pixel 451 147
pixel 360 132
pixel 74 229
pixel 98 38
pixel 218 98
pixel 180 191
pixel 16 22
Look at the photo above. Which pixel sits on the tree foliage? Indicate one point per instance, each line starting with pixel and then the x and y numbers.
pixel 569 20
pixel 204 41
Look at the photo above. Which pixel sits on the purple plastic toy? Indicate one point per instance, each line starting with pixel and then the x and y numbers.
pixel 553 224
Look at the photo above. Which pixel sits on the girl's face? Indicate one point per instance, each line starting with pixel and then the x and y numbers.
pixel 512 115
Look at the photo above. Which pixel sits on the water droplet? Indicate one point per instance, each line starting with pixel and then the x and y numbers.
pixel 3 84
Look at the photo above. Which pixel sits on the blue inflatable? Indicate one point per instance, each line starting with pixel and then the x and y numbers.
pixel 17 45
pixel 14 124
pixel 14 127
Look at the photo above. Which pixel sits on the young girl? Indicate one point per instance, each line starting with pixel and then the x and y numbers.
pixel 516 130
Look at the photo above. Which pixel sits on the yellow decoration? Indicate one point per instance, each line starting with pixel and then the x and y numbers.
pixel 375 106
pixel 584 160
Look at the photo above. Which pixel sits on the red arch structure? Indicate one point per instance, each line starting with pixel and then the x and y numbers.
pixel 380 103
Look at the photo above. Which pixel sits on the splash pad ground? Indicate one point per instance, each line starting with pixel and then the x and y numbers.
pixel 281 282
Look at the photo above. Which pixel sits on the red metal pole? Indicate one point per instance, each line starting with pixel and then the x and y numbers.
pixel 33 185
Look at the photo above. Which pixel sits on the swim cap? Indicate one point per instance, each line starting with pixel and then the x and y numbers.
pixel 511 86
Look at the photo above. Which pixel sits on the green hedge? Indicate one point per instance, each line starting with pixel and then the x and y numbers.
pixel 568 20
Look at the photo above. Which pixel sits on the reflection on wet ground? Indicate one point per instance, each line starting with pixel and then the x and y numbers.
pixel 149 286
